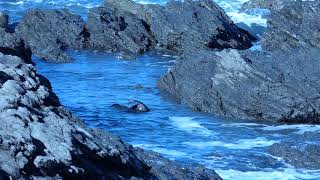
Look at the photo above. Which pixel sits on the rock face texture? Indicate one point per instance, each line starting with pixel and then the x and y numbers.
pixel 178 26
pixel 292 24
pixel 41 139
pixel 117 30
pixel 49 32
pixel 295 25
pixel 270 87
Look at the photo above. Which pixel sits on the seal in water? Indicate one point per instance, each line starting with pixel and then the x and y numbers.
pixel 134 106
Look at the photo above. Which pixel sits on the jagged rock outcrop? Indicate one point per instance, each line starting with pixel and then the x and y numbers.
pixel 49 33
pixel 41 139
pixel 260 86
pixel 178 26
pixel 117 30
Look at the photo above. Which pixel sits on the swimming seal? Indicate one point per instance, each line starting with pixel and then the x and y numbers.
pixel 134 106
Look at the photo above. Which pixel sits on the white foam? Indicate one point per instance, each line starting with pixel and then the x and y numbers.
pixel 188 124
pixel 300 128
pixel 240 144
pixel 281 174
pixel 248 19
pixel 242 125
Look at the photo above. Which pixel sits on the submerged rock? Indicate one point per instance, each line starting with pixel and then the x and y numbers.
pixel 306 157
pixel 242 84
pixel 49 33
pixel 179 26
pixel 41 139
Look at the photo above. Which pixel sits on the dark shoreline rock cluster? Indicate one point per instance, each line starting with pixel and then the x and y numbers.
pixel 130 27
pixel 280 83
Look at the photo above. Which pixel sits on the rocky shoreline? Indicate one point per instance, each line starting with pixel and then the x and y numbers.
pixel 215 73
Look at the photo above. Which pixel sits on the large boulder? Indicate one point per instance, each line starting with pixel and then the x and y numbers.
pixel 49 33
pixel 247 85
pixel 40 139
pixel 178 25
pixel 117 30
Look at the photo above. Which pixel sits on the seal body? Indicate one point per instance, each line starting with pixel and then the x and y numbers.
pixel 134 106
pixel 138 106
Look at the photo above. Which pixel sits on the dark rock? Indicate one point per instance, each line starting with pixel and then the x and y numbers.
pixel 117 30
pixel 4 20
pixel 247 85
pixel 134 106
pixel 49 32
pixel 4 77
pixel 294 25
pixel 10 44
pixel 178 26
pixel 165 169
pixel 43 140
pixel 300 156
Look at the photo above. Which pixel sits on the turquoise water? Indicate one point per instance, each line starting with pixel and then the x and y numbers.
pixel 90 84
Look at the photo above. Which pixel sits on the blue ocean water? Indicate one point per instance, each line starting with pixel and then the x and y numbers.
pixel 90 84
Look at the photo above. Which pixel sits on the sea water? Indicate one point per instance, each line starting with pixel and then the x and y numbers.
pixel 92 82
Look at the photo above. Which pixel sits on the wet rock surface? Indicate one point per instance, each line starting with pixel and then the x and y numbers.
pixel 242 84
pixel 295 25
pixel 117 30
pixel 41 139
pixel 49 33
